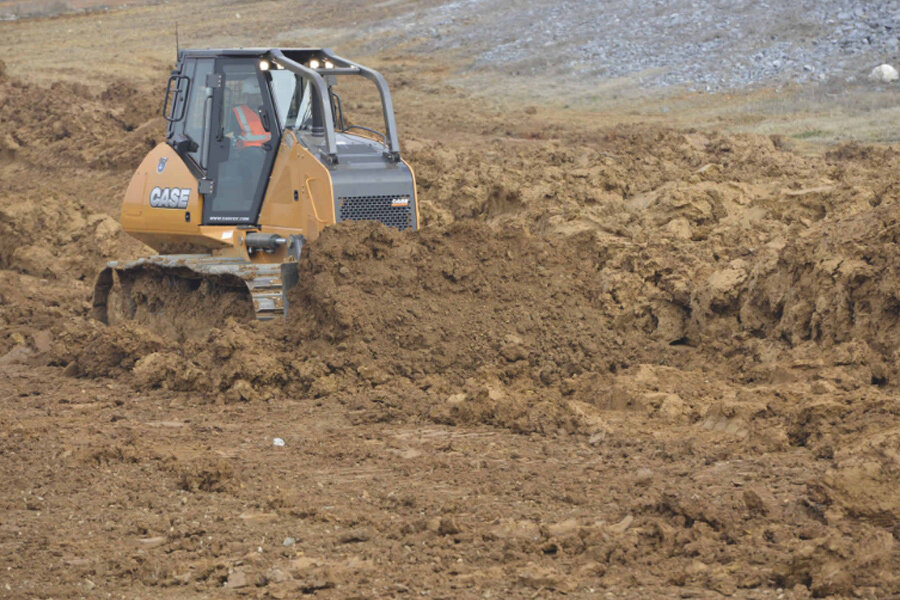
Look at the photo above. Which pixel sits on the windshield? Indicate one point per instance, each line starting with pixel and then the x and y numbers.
pixel 292 96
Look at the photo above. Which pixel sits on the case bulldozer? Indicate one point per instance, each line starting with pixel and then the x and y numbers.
pixel 258 159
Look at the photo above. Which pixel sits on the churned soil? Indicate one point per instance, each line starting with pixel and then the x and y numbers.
pixel 620 360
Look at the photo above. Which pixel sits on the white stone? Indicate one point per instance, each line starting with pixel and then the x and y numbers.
pixel 885 73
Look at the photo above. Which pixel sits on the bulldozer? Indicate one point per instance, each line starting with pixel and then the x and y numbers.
pixel 258 159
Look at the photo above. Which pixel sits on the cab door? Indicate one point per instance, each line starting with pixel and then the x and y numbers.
pixel 243 141
pixel 189 112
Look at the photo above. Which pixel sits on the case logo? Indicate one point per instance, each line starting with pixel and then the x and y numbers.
pixel 161 165
pixel 170 197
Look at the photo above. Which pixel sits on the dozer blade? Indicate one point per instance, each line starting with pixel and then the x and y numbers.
pixel 265 284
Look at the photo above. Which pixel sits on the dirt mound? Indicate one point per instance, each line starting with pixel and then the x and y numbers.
pixel 520 315
pixel 60 153
pixel 475 328
pixel 66 232
pixel 452 300
pixel 591 181
pixel 69 125
pixel 834 284
pixel 460 313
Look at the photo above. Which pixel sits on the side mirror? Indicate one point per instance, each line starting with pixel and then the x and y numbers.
pixel 183 144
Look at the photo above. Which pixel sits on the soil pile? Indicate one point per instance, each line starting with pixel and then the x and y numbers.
pixel 482 324
pixel 65 155
pixel 836 283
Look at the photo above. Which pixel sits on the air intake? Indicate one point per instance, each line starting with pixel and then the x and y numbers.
pixel 393 211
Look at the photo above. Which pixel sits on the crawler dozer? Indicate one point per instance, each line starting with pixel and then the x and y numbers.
pixel 258 159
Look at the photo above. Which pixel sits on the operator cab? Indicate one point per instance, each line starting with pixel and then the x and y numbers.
pixel 228 111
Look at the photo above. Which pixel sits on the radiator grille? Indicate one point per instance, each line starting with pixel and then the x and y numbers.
pixel 393 211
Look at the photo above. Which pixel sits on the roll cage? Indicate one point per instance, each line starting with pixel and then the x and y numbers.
pixel 320 67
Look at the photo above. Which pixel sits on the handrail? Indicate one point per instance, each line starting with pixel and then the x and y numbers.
pixel 168 112
pixel 387 105
pixel 344 66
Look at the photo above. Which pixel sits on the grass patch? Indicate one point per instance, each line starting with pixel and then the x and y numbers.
pixel 810 133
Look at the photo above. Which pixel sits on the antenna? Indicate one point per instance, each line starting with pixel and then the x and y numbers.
pixel 177 47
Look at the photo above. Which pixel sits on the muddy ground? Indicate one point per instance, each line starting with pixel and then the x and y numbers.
pixel 620 360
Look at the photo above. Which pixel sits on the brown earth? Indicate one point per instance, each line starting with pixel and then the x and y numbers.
pixel 623 359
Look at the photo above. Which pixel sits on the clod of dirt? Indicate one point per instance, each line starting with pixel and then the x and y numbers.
pixel 200 476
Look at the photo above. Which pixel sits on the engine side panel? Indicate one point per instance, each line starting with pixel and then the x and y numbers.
pixel 299 198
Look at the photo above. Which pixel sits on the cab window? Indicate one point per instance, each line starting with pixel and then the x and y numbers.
pixel 292 95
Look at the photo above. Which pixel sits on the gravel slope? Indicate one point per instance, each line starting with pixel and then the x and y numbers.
pixel 707 45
